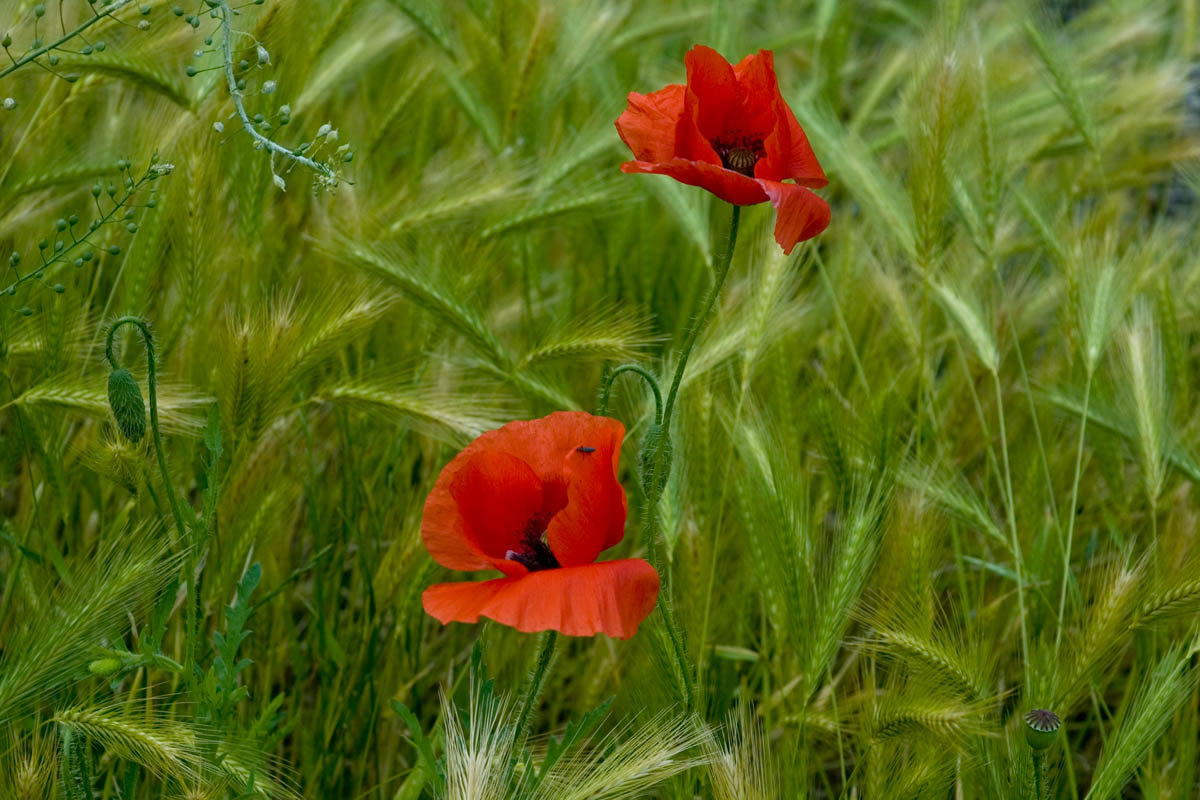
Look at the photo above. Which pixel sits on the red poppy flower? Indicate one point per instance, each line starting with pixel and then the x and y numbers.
pixel 729 131
pixel 538 500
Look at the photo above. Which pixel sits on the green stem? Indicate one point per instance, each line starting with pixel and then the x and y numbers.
pixel 694 332
pixel 607 384
pixel 62 256
pixel 1039 761
pixel 655 484
pixel 537 681
pixel 845 329
pixel 1018 559
pixel 103 13
pixel 1066 576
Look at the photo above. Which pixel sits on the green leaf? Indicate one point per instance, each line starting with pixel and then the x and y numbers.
pixel 429 764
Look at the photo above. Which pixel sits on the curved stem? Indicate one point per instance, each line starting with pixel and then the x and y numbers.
pixel 150 380
pixel 239 106
pixel 606 390
pixel 193 618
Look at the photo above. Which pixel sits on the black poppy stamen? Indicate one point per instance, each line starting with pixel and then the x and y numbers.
pixel 585 449
pixel 534 554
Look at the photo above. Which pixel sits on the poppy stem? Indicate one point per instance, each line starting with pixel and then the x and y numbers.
pixel 694 332
pixel 193 621
pixel 655 484
pixel 535 684
pixel 150 381
pixel 607 384
pixel 1039 767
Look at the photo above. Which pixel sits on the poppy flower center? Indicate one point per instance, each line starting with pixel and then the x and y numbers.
pixel 739 153
pixel 535 554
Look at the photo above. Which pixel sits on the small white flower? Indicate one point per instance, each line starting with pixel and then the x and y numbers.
pixel 9 104
pixel 324 129
pixel 219 127
pixel 144 25
pixel 332 136
pixel 269 87
pixel 279 182
pixel 285 110
pixel 163 169
pixel 263 56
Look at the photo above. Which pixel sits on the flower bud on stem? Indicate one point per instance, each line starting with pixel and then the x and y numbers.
pixel 169 487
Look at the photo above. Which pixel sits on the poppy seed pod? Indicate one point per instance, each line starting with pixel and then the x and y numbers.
pixel 1041 728
pixel 125 399
pixel 646 459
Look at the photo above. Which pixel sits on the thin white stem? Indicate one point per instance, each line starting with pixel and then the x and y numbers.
pixel 236 94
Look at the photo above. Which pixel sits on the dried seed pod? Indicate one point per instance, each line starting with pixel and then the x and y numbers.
pixel 1041 728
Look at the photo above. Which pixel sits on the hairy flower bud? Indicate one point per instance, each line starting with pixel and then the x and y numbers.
pixel 104 666
pixel 125 400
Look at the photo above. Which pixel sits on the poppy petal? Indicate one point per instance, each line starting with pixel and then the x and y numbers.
pixel 732 187
pixel 712 80
pixel 467 517
pixel 690 143
pixel 799 214
pixel 759 91
pixel 443 529
pixel 801 163
pixel 648 123
pixel 612 597
pixel 593 519
pixel 544 444
pixel 497 495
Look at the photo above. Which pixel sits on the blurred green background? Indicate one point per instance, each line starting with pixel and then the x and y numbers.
pixel 931 471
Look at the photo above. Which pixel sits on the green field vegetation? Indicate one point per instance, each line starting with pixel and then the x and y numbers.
pixel 935 469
